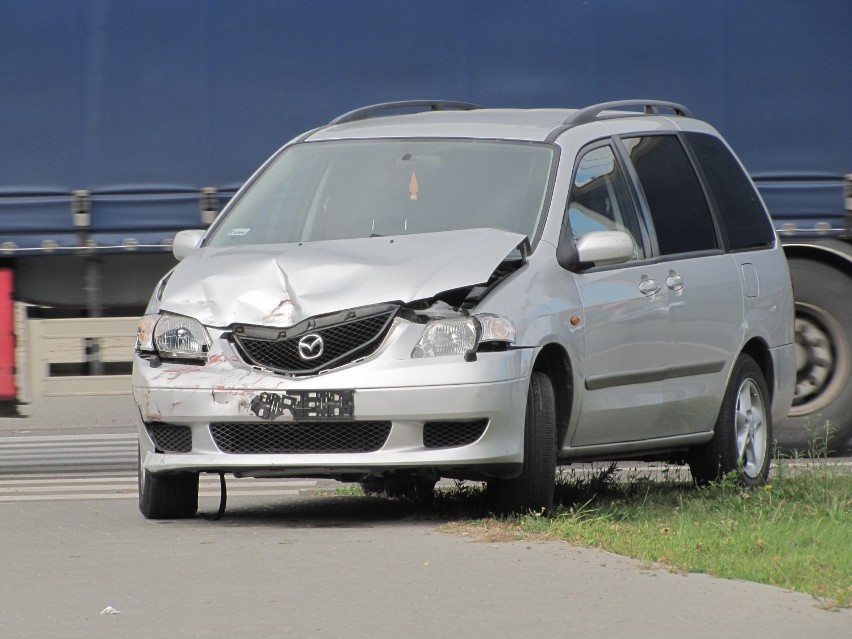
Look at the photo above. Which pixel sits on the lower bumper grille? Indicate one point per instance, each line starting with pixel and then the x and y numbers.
pixel 300 438
pixel 452 434
pixel 169 438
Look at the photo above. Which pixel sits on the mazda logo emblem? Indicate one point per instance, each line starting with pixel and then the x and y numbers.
pixel 311 346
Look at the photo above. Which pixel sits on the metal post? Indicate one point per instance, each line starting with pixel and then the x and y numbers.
pixel 81 215
pixel 209 202
pixel 94 309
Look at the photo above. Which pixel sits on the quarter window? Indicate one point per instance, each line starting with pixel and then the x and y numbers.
pixel 678 207
pixel 600 199
pixel 740 209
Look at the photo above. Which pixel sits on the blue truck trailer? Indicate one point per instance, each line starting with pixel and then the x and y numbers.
pixel 122 123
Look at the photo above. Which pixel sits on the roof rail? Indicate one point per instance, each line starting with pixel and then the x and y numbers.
pixel 434 105
pixel 651 107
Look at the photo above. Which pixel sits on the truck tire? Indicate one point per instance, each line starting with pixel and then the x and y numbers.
pixel 167 496
pixel 742 439
pixel 823 357
pixel 533 489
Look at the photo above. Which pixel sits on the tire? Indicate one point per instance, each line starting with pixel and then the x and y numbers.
pixel 533 488
pixel 742 437
pixel 823 357
pixel 167 496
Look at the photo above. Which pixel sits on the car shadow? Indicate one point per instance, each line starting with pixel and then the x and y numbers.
pixel 321 511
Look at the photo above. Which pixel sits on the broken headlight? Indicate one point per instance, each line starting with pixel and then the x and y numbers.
pixel 462 335
pixel 172 337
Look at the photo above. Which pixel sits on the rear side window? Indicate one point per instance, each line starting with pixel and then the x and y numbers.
pixel 742 213
pixel 679 209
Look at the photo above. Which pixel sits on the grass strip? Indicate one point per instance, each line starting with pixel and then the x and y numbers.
pixel 795 532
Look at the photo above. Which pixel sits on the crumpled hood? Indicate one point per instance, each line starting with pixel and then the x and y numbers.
pixel 282 284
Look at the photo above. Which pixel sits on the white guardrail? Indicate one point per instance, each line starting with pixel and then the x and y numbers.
pixel 53 354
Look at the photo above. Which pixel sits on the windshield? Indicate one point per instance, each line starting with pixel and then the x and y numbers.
pixel 368 188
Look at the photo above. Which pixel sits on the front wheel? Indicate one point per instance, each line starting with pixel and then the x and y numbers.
pixel 167 496
pixel 743 434
pixel 533 488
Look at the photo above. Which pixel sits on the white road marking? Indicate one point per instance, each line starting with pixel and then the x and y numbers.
pixel 60 488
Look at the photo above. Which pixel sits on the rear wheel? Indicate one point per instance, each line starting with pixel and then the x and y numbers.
pixel 743 434
pixel 167 496
pixel 533 488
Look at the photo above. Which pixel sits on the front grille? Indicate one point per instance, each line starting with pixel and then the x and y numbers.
pixel 300 438
pixel 343 342
pixel 452 434
pixel 169 438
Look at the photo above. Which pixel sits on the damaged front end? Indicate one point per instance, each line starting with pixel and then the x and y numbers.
pixel 421 384
pixel 325 341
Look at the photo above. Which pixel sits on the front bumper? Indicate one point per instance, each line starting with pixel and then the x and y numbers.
pixel 404 392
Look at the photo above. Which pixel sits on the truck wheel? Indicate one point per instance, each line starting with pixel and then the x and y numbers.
pixel 823 357
pixel 533 488
pixel 743 433
pixel 167 496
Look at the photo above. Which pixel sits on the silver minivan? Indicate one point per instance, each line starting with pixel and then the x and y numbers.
pixel 430 289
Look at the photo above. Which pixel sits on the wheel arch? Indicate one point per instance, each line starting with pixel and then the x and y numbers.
pixel 553 360
pixel 834 254
pixel 758 349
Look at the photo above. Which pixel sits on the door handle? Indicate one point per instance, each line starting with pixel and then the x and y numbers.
pixel 649 287
pixel 674 282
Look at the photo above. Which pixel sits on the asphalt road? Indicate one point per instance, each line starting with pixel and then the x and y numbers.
pixel 353 567
pixel 286 562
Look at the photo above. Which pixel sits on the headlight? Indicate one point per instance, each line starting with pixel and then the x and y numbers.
pixel 459 336
pixel 172 337
pixel 447 337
